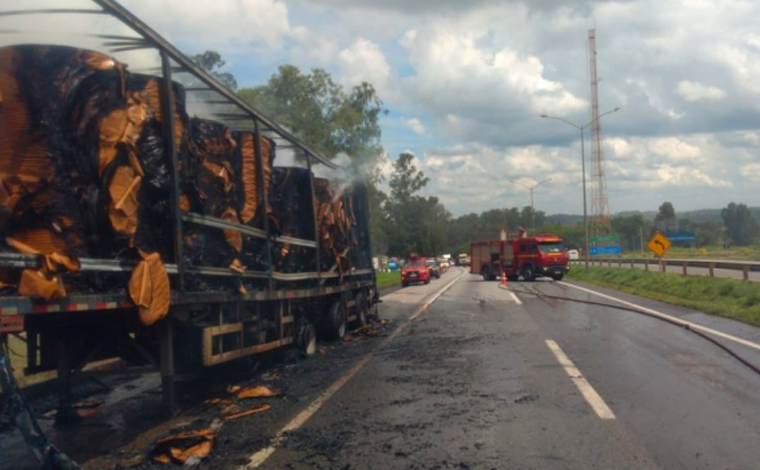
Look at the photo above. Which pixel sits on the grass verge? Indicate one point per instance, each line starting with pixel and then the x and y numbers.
pixel 387 279
pixel 728 298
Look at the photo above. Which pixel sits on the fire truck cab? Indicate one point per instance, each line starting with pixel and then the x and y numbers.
pixel 529 257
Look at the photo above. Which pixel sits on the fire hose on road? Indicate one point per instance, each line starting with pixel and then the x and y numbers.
pixel 682 324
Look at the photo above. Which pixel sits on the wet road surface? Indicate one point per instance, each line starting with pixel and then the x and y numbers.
pixel 487 377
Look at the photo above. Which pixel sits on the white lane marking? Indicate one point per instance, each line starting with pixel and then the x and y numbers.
pixel 690 325
pixel 262 455
pixel 588 392
pixel 514 296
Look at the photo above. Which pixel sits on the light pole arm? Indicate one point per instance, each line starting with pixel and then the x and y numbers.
pixel 546 116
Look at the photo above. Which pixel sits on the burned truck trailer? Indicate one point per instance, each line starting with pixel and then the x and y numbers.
pixel 131 227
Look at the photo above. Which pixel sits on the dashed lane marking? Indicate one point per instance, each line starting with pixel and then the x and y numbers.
pixel 257 459
pixel 588 392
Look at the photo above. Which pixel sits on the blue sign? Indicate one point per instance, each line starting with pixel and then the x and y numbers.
pixel 680 237
pixel 604 250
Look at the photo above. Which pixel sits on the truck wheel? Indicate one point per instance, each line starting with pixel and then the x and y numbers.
pixel 528 273
pixel 306 340
pixel 512 278
pixel 427 281
pixel 558 277
pixel 362 309
pixel 336 321
pixel 486 273
pixel 404 284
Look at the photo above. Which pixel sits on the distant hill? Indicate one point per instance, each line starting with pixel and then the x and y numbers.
pixel 695 216
pixel 563 219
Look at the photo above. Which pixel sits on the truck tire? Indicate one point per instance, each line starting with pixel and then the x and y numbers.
pixel 362 309
pixel 336 321
pixel 558 276
pixel 528 273
pixel 404 284
pixel 486 273
pixel 306 338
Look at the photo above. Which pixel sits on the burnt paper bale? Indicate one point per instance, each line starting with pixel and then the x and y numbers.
pixel 292 216
pixel 47 181
pixel 360 254
pixel 210 189
pixel 45 175
pixel 155 228
pixel 249 194
pixel 335 222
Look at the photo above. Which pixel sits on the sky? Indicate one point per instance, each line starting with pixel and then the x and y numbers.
pixel 466 82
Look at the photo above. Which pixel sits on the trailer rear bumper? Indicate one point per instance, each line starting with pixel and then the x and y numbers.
pixel 11 323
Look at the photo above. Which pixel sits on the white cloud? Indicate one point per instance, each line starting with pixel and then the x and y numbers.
pixel 475 75
pixel 752 172
pixel 415 125
pixel 681 176
pixel 363 61
pixel 695 91
pixel 227 24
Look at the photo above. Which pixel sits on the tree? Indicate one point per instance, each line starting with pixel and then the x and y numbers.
pixel 378 219
pixel 631 230
pixel 211 62
pixel 406 179
pixel 709 232
pixel 318 111
pixel 330 121
pixel 416 224
pixel 666 220
pixel 741 226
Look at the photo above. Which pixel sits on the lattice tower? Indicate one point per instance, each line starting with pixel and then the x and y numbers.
pixel 600 208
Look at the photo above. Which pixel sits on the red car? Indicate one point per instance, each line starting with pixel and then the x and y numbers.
pixel 415 270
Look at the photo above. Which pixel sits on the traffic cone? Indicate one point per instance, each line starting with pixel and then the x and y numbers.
pixel 503 279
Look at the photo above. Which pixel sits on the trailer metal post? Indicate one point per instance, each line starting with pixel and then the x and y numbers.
pixel 168 105
pixel 63 380
pixel 317 235
pixel 167 363
pixel 264 199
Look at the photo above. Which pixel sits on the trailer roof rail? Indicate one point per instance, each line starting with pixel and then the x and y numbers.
pixel 232 110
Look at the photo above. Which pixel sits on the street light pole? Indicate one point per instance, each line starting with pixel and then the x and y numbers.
pixel 583 169
pixel 532 210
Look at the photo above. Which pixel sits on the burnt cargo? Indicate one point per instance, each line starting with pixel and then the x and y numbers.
pixel 85 173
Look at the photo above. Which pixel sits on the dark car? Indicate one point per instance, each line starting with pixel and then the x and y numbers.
pixel 435 268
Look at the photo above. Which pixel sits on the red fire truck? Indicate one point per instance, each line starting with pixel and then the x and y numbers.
pixel 529 257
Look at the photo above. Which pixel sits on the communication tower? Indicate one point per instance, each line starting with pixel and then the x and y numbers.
pixel 600 207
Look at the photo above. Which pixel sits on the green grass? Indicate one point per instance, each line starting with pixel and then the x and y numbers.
pixel 388 279
pixel 750 253
pixel 728 298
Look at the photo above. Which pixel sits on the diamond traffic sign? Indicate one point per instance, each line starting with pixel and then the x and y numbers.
pixel 659 244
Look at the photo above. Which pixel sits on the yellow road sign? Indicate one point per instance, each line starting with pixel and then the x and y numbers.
pixel 659 244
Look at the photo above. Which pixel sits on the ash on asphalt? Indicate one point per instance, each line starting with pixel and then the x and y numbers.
pixel 122 417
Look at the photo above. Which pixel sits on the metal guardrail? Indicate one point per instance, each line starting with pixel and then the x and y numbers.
pixel 662 264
